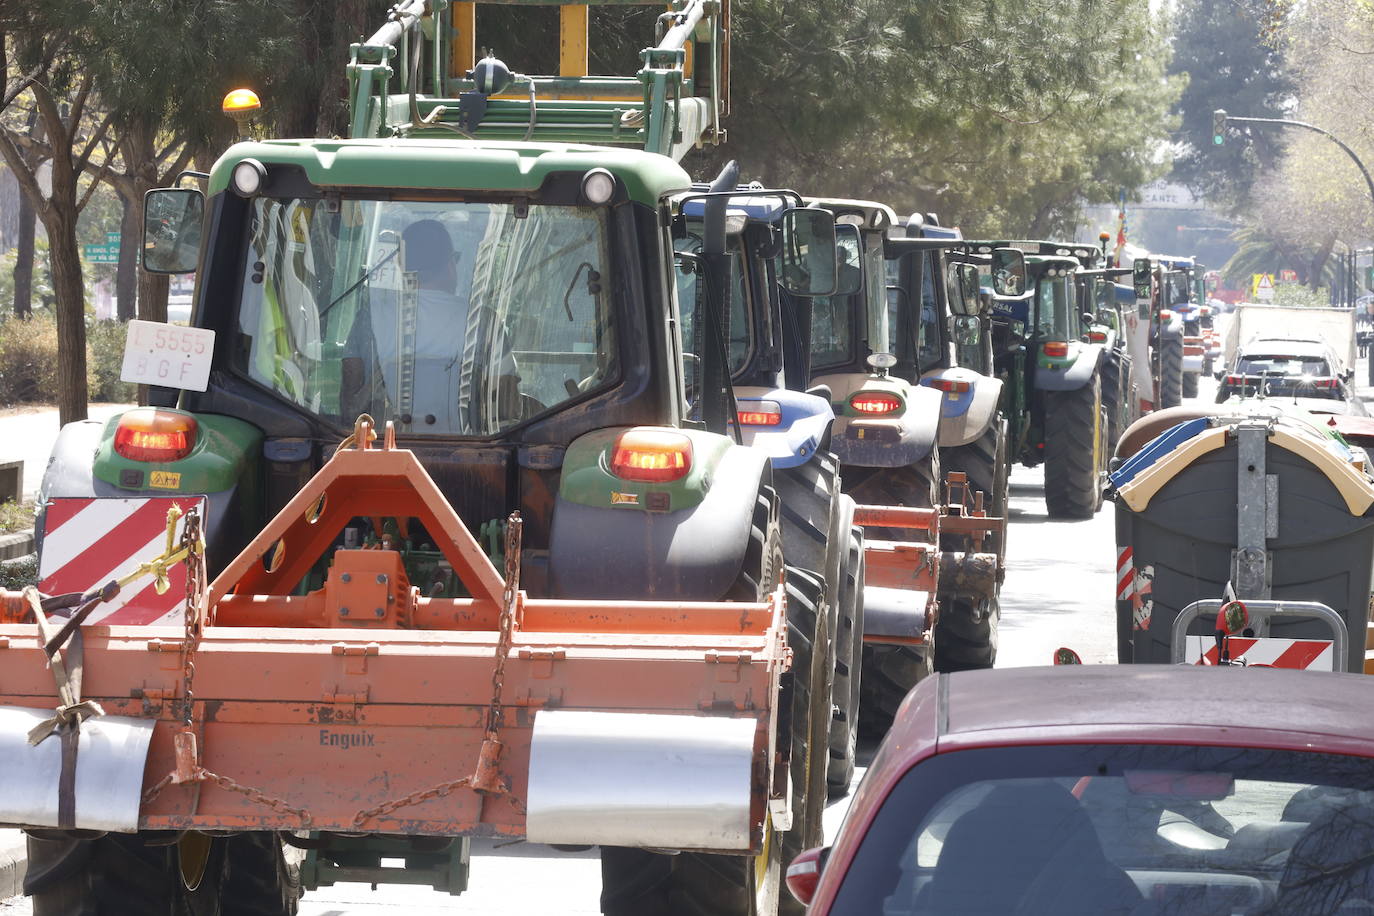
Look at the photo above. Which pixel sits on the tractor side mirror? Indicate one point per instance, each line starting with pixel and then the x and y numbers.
pixel 968 279
pixel 849 251
pixel 1142 275
pixel 966 330
pixel 1009 271
pixel 172 219
pixel 809 262
pixel 954 290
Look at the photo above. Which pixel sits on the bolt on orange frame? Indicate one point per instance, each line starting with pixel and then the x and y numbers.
pixel 365 707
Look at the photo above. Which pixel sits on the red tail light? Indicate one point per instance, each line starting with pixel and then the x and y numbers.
pixel 1235 380
pixel 1165 315
pixel 1325 383
pixel 758 413
pixel 147 434
pixel 1056 348
pixel 875 402
pixel 804 875
pixel 1097 337
pixel 949 385
pixel 652 456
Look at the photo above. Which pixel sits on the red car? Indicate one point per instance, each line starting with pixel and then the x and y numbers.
pixel 1112 791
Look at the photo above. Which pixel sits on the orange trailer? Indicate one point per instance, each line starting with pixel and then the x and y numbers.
pixel 365 707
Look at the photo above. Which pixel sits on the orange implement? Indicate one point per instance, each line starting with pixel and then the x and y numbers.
pixel 363 707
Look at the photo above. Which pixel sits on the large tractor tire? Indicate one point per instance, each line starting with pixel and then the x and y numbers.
pixel 1190 384
pixel 242 875
pixel 915 485
pixel 985 462
pixel 889 673
pixel 262 881
pixel 1117 397
pixel 1170 372
pixel 637 881
pixel 816 523
pixel 844 722
pixel 1074 451
pixel 966 634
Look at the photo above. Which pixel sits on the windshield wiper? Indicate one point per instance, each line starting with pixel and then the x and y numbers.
pixel 361 280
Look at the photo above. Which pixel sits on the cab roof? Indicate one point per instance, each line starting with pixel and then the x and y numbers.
pixel 427 163
pixel 873 214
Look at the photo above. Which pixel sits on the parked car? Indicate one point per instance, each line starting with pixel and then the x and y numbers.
pixel 1293 367
pixel 1102 790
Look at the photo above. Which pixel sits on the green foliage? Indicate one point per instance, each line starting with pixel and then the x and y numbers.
pixel 1295 294
pixel 105 344
pixel 16 574
pixel 1002 116
pixel 15 516
pixel 28 360
pixel 1230 55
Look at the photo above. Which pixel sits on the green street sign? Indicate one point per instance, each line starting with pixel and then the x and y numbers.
pixel 101 254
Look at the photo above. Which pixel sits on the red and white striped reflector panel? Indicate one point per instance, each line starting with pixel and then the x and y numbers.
pixel 1125 575
pixel 89 541
pixel 1270 652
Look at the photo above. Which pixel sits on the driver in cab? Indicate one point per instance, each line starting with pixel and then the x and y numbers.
pixel 427 357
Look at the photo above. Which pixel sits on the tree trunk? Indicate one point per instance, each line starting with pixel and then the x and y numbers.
pixel 152 296
pixel 23 259
pixel 71 315
pixel 126 273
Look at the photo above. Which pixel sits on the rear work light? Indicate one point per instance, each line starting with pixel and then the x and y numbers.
pixel 1058 348
pixel 950 386
pixel 148 434
pixel 875 403
pixel 653 456
pixel 1097 337
pixel 758 413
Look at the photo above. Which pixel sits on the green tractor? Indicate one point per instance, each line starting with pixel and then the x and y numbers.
pixel 469 269
pixel 1054 398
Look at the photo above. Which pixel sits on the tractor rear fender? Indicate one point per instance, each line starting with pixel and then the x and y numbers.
pixel 682 540
pixel 964 415
pixel 1074 375
pixel 804 421
pixel 84 464
pixel 889 440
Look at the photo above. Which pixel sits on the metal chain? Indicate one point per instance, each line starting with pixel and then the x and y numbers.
pixel 195 591
pixel 414 798
pixel 514 524
pixel 257 795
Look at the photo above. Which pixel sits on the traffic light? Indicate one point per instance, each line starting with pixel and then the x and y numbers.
pixel 1219 126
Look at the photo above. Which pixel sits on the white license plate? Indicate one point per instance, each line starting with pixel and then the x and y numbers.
pixel 168 355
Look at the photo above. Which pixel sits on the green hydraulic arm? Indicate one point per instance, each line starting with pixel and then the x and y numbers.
pixel 419 75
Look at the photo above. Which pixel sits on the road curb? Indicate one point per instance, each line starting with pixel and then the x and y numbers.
pixel 16 545
pixel 14 861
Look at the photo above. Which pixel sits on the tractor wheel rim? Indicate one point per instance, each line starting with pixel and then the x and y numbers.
pixel 193 855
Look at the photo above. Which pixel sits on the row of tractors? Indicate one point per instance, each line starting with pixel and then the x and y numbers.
pixel 509 484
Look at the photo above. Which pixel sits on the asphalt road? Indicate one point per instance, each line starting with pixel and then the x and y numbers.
pixel 1058 592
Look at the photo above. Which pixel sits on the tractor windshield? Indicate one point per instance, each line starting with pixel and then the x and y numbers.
pixel 1054 304
pixel 447 318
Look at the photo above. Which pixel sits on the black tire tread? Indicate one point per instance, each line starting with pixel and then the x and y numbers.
pixel 966 635
pixel 636 881
pixel 1072 487
pixel 848 639
pixel 1170 372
